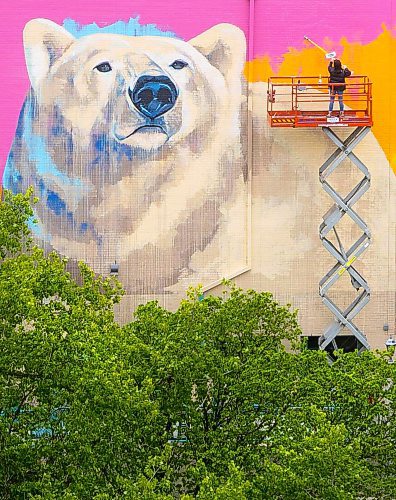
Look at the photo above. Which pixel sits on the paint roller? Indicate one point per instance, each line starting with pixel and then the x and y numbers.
pixel 329 55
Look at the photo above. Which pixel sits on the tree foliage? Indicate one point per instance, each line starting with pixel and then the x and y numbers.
pixel 15 212
pixel 204 402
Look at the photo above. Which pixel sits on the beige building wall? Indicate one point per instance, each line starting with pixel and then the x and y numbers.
pixel 155 154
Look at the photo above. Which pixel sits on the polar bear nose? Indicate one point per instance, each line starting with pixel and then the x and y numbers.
pixel 153 95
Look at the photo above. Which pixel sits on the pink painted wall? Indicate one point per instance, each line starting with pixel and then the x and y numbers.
pixel 280 25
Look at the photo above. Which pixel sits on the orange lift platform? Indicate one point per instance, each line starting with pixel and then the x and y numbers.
pixel 303 102
pixel 294 102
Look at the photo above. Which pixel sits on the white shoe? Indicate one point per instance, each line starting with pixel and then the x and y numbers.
pixel 329 114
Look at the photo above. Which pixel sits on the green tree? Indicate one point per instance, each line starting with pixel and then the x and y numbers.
pixel 204 402
pixel 291 424
pixel 69 406
pixel 15 211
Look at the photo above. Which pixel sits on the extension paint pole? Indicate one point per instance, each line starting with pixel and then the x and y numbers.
pixel 329 55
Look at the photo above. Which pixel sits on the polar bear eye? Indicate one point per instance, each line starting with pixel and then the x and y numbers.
pixel 178 64
pixel 103 67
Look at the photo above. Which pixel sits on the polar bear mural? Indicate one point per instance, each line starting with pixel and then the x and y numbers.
pixel 133 145
pixel 136 146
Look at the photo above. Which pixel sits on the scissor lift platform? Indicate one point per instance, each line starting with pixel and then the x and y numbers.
pixel 295 102
pixel 303 102
pixel 318 119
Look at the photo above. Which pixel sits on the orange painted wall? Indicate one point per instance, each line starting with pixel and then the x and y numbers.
pixel 375 59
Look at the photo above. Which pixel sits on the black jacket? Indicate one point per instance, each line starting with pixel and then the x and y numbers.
pixel 338 76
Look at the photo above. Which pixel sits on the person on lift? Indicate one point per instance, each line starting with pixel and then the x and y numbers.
pixel 337 75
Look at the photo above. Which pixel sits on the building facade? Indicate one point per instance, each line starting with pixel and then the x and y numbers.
pixel 143 128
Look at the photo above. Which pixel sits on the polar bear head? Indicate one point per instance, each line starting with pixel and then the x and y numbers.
pixel 142 92
pixel 134 146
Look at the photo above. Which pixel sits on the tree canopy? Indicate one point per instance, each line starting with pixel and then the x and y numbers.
pixel 203 402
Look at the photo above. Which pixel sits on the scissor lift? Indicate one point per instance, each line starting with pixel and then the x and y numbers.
pixel 303 102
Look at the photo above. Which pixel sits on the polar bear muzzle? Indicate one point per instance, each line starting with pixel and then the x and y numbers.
pixel 153 96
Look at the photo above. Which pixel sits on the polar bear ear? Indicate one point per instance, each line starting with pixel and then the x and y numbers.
pixel 44 42
pixel 224 46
